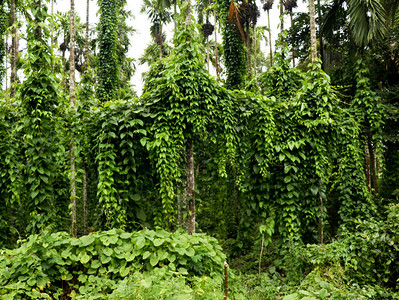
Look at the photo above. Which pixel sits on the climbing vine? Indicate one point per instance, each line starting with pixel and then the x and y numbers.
pixel 108 61
pixel 39 98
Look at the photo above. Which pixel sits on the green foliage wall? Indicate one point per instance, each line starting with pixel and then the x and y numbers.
pixel 39 101
pixel 233 50
pixel 108 68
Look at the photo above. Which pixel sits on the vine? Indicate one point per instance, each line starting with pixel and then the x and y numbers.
pixel 39 97
pixel 108 68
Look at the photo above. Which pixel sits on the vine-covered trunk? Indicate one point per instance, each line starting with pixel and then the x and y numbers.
pixel 313 46
pixel 14 50
pixel 190 188
pixel 270 38
pixel 86 54
pixel 72 104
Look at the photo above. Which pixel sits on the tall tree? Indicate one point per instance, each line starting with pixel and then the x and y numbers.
pixel 267 6
pixel 72 104
pixel 14 49
pixel 3 27
pixel 289 6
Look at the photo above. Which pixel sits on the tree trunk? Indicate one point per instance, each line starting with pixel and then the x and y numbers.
pixel 368 176
pixel 373 171
pixel 72 104
pixel 190 188
pixel 85 229
pixel 320 34
pixel 188 13
pixel 207 53
pixel 293 49
pixel 86 54
pixel 270 38
pixel 281 16
pixel 313 45
pixel 254 50
pixel 14 50
pixel 216 49
pixel 249 52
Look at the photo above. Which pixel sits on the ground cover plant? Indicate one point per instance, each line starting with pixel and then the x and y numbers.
pixel 287 172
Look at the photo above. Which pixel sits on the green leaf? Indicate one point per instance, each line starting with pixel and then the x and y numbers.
pixel 154 259
pixel 87 240
pixel 146 254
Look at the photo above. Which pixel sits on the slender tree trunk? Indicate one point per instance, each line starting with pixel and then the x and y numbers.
pixel 86 54
pixel 255 50
pixel 207 52
pixel 373 171
pixel 85 229
pixel 175 14
pixel 188 13
pixel 249 52
pixel 161 43
pixel 216 48
pixel 281 16
pixel 190 187
pixel 72 104
pixel 368 172
pixel 321 228
pixel 293 49
pixel 313 45
pixel 14 50
pixel 270 38
pixel 320 34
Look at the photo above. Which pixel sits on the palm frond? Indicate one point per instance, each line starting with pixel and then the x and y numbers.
pixel 367 20
pixel 235 16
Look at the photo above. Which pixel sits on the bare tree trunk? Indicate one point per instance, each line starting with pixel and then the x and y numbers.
pixel 248 46
pixel 254 50
pixel 320 34
pixel 85 229
pixel 188 13
pixel 368 176
pixel 293 49
pixel 281 16
pixel 373 171
pixel 190 187
pixel 207 52
pixel 321 229
pixel 313 45
pixel 270 39
pixel 14 50
pixel 72 104
pixel 216 48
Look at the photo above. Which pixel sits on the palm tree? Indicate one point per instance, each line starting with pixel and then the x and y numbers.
pixel 267 6
pixel 289 5
pixel 158 11
pixel 367 19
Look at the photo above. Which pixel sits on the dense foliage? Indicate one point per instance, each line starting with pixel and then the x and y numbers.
pixel 293 174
